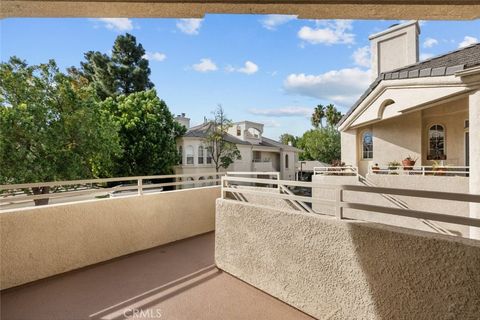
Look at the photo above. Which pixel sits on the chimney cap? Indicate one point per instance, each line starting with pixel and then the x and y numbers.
pixel 395 27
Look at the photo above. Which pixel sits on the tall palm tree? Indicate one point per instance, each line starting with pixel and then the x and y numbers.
pixel 332 115
pixel 318 115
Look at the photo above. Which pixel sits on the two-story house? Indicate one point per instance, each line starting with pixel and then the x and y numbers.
pixel 258 153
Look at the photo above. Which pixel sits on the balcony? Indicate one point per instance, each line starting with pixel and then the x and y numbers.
pixel 150 255
pixel 263 166
pixel 173 281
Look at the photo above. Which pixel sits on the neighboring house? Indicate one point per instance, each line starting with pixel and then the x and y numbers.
pixel 421 109
pixel 259 154
pixel 428 110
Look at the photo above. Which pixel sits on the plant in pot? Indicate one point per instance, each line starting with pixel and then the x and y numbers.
pixel 393 165
pixel 438 168
pixel 408 163
pixel 375 168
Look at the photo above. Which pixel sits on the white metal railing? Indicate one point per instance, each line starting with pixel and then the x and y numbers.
pixel 339 204
pixel 11 194
pixel 336 171
pixel 421 170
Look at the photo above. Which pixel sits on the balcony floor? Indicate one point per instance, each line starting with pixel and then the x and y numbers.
pixel 174 281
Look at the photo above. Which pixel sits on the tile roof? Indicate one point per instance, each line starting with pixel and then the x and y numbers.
pixel 201 131
pixel 443 65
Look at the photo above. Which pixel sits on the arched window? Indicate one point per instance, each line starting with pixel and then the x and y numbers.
pixel 367 145
pixel 436 142
pixel 286 161
pixel 189 153
pixel 180 154
pixel 200 155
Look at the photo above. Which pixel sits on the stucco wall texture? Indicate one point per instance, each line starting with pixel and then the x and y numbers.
pixel 45 241
pixel 339 269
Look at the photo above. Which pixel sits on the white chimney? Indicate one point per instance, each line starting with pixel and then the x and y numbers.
pixel 183 120
pixel 395 47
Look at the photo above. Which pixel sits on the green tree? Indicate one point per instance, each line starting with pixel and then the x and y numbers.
pixel 320 144
pixel 51 127
pixel 332 115
pixel 147 134
pixel 99 70
pixel 223 152
pixel 131 70
pixel 125 72
pixel 317 116
pixel 287 138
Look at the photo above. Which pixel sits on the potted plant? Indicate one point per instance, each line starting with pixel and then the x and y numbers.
pixel 393 165
pixel 408 163
pixel 438 168
pixel 375 168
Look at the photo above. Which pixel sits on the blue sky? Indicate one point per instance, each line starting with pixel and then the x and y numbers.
pixel 272 69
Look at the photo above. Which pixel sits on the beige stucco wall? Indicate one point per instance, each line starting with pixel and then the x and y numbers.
pixel 45 241
pixel 397 138
pixel 334 269
pixel 349 145
pixel 431 183
pixel 434 183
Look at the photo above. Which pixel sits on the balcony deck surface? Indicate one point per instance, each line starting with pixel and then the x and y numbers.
pixel 174 281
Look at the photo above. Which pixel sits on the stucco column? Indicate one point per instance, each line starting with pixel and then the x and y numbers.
pixel 474 146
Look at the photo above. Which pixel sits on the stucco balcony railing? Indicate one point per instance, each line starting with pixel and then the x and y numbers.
pixel 263 165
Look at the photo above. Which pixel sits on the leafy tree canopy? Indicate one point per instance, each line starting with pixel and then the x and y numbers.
pixel 320 144
pixel 287 138
pixel 147 134
pixel 51 127
pixel 223 152
pixel 125 72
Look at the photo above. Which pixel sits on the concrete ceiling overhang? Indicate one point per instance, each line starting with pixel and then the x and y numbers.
pixel 307 9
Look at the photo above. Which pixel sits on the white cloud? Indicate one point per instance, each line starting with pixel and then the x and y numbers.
pixel 249 68
pixel 426 56
pixel 205 65
pixel 155 56
pixel 189 26
pixel 342 86
pixel 430 42
pixel 467 40
pixel 117 24
pixel 271 123
pixel 332 32
pixel 421 23
pixel 272 21
pixel 361 56
pixel 283 112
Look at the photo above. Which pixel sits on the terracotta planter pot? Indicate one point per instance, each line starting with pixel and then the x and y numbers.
pixel 408 164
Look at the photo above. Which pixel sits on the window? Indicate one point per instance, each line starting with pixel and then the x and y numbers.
pixel 367 145
pixel 200 155
pixel 209 156
pixel 286 161
pixel 189 152
pixel 180 154
pixel 239 131
pixel 436 143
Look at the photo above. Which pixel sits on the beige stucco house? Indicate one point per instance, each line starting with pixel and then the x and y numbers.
pixel 429 110
pixel 258 153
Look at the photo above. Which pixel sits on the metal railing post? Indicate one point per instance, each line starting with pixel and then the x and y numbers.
pixel 338 203
pixel 140 186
